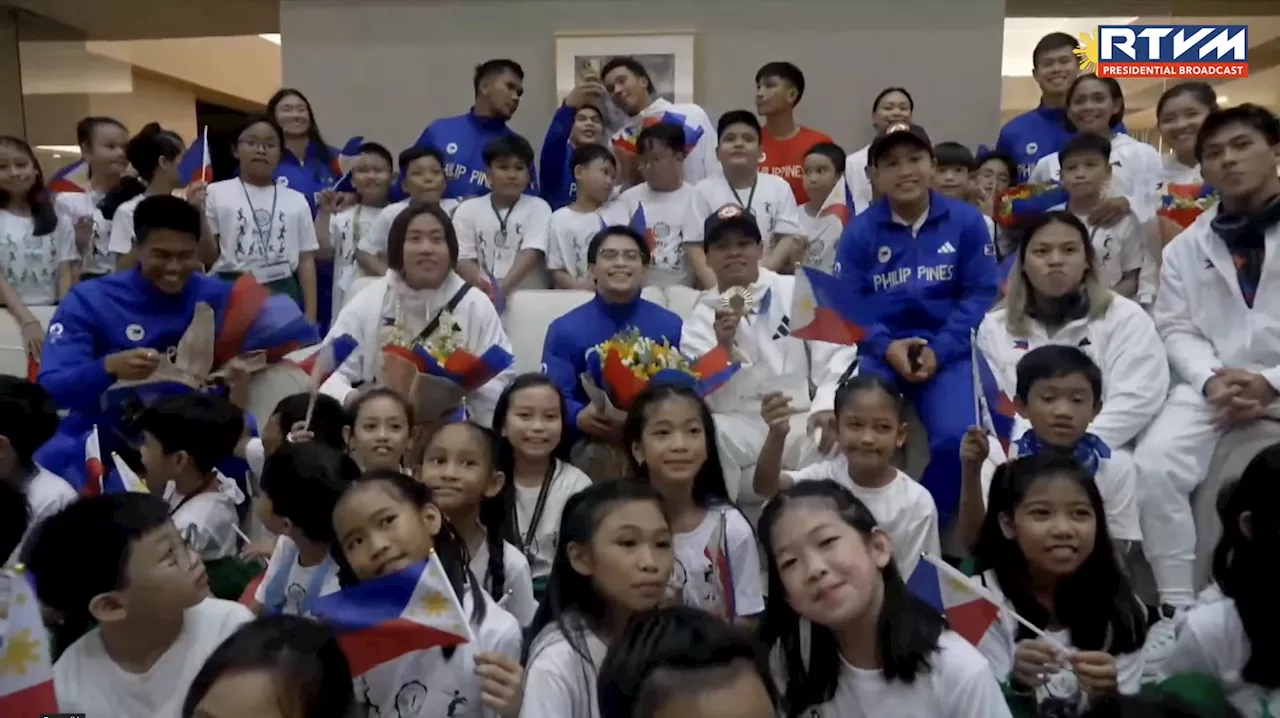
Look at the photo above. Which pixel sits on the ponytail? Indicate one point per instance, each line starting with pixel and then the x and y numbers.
pixel 144 151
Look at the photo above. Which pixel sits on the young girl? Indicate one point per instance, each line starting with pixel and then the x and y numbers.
pixel 382 430
pixel 1043 547
pixel 529 419
pixel 870 430
pixel 386 522
pixel 458 467
pixel 37 245
pixel 263 227
pixel 873 648
pixel 154 155
pixel 1236 639
pixel 684 662
pixel 673 446
pixel 277 667
pixel 613 560
pixel 102 143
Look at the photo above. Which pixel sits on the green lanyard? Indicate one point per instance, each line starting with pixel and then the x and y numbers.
pixel 501 239
pixel 750 196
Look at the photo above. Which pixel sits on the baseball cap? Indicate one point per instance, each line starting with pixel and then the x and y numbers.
pixel 729 217
pixel 894 135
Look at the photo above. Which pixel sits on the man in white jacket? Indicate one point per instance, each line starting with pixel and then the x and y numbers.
pixel 1218 312
pixel 759 335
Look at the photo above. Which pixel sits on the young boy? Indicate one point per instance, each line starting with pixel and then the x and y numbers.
pixel 764 196
pixel 422 176
pixel 340 233
pixel 1119 248
pixel 663 205
pixel 28 419
pixel 184 437
pixel 955 177
pixel 572 227
pixel 299 491
pixel 502 236
pixel 118 561
pixel 823 217
pixel 784 143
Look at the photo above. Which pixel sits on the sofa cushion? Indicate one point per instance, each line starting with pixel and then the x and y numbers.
pixel 682 300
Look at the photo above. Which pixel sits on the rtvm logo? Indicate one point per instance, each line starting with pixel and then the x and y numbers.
pixel 1174 51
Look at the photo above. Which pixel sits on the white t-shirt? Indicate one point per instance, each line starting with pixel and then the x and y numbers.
pixel 959 684
pixel 695 574
pixel 375 242
pixel 670 224
pixel 1119 248
pixel 77 205
pixel 31 262
pixel 47 494
pixel 517 593
pixel 88 681
pixel 558 681
pixel 823 232
pixel 299 581
pixel 566 481
pixel 425 684
pixel 903 508
pixel 492 238
pixel 571 233
pixel 208 519
pixel 122 234
pixel 771 202
pixel 252 237
pixel 1212 642
pixel 346 230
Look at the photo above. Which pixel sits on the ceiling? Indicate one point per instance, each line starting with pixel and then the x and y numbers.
pixel 157 19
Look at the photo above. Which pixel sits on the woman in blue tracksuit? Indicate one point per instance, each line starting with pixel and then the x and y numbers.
pixel 929 263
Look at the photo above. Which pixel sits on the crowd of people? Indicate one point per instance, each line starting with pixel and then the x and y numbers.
pixel 747 550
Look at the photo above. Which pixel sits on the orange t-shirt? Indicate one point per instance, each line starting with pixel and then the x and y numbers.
pixel 785 158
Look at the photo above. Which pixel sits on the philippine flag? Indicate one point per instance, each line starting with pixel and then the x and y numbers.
pixel 825 309
pixel 987 395
pixel 714 370
pixel 26 670
pixel 73 178
pixel 95 471
pixel 641 224
pixel 323 360
pixel 195 165
pixel 969 607
pixel 378 621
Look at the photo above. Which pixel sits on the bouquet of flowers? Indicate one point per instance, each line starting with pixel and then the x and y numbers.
pixel 1017 202
pixel 1182 203
pixel 625 139
pixel 623 366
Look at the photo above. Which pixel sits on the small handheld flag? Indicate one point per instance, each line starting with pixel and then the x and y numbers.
pixel 986 392
pixel 969 607
pixel 130 479
pixel 826 309
pixel 26 670
pixel 345 160
pixel 322 360
pixel 95 471
pixel 195 165
pixel 641 224
pixel 73 178
pixel 717 551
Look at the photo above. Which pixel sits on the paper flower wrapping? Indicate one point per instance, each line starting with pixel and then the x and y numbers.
pixel 1183 203
pixel 626 364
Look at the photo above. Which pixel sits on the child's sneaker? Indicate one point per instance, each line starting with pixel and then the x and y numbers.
pixel 1161 638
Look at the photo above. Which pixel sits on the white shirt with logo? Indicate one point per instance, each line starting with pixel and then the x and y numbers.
pixel 76 206
pixel 346 230
pixel 1119 248
pixel 31 262
pixel 263 230
pixel 771 202
pixel 493 237
pixel 571 233
pixel 375 242
pixel 670 224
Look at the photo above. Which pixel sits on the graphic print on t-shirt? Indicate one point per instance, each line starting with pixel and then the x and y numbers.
pixel 31 262
pixel 265 242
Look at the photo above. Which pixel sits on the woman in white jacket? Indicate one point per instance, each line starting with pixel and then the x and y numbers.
pixel 420 296
pixel 1054 297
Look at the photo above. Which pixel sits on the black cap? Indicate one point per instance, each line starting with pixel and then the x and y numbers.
pixel 730 217
pixel 894 135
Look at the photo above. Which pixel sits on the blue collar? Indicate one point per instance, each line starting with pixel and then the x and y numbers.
pixel 315 153
pixel 1088 451
pixel 618 311
pixel 1053 114
pixel 485 123
pixel 938 209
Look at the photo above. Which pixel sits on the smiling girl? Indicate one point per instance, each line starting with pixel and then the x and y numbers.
pixel 102 143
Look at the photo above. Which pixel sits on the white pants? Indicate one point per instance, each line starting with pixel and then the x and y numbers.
pixel 740 437
pixel 1173 458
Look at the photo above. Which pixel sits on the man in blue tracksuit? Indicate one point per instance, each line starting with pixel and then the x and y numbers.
pixel 460 140
pixel 578 122
pixel 928 263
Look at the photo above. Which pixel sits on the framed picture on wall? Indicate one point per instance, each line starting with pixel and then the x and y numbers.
pixel 668 58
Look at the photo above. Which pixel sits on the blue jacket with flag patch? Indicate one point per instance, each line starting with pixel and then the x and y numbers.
pixel 936 285
pixel 461 140
pixel 311 175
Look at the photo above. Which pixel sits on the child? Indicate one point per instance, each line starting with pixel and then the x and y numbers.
pixel 873 648
pixel 154 154
pixel 280 666
pixel 15 518
pixel 1044 551
pixel 683 662
pixel 502 237
pixel 665 203
pixel 766 197
pixel 422 177
pixel 263 227
pixel 531 423
pixel 458 467
pixel 119 562
pixel 339 233
pixel 594 171
pixel 300 486
pixel 1233 639
pixel 385 522
pixel 39 246
pixel 870 430
pixel 785 143
pixel 382 430
pixel 613 560
pixel 184 437
pixel 955 177
pixel 28 419
pixel 819 223
pixel 102 143
pixel 1086 172
pixel 329 425
pixel 672 440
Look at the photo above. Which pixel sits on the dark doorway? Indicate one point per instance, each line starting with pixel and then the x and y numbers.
pixel 222 122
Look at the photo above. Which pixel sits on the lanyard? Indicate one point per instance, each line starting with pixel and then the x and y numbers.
pixel 208 483
pixel 750 196
pixel 501 240
pixel 539 507
pixel 263 239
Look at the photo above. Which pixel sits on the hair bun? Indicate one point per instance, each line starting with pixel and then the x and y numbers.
pixel 151 128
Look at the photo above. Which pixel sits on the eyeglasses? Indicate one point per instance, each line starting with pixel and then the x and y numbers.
pixel 259 145
pixel 610 255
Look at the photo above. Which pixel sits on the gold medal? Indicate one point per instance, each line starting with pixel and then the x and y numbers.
pixel 737 300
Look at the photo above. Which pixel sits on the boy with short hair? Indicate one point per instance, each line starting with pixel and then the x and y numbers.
pixel 784 143
pixel 662 206
pixel 955 176
pixel 28 419
pixel 117 561
pixel 573 226
pixel 340 233
pixel 766 197
pixel 422 177
pixel 502 236
pixel 1119 248
pixel 824 215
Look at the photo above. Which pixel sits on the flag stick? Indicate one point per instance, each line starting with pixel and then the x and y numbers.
pixel 311 407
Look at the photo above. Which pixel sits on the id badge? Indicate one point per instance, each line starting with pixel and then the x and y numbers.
pixel 273 272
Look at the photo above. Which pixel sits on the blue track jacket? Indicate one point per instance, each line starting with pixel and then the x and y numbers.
pixel 461 140
pixel 556 178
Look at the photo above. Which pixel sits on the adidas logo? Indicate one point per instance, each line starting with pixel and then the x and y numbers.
pixel 946 248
